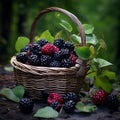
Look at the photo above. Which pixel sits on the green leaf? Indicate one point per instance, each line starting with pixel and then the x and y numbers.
pixel 109 74
pixel 75 39
pixel 58 35
pixel 21 42
pixel 18 91
pixel 46 112
pixel 47 35
pixel 103 82
pixel 91 39
pixel 88 28
pixel 66 25
pixel 85 108
pixel 102 62
pixel 8 93
pixel 83 52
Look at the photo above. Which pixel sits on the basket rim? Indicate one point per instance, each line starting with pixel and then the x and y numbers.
pixel 41 69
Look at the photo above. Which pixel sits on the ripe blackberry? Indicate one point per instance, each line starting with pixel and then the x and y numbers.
pixel 22 57
pixel 58 43
pixel 33 60
pixel 54 64
pixel 45 60
pixel 65 53
pixel 67 63
pixel 69 46
pixel 56 105
pixel 100 97
pixel 112 102
pixel 71 96
pixel 26 48
pixel 69 106
pixel 26 105
pixel 36 49
pixel 42 42
pixel 58 55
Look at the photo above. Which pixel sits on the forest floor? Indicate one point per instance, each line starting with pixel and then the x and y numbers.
pixel 9 110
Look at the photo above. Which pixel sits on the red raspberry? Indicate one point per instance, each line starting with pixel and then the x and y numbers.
pixel 73 58
pixel 100 97
pixel 49 49
pixel 54 97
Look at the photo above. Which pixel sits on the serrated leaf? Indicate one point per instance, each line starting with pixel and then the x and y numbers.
pixel 88 28
pixel 47 35
pixel 91 39
pixel 102 62
pixel 85 108
pixel 8 93
pixel 18 91
pixel 46 112
pixel 103 82
pixel 66 25
pixel 21 42
pixel 83 52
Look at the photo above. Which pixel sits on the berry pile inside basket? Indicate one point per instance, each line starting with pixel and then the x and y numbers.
pixel 60 53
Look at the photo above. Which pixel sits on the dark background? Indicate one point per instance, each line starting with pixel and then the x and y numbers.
pixel 16 17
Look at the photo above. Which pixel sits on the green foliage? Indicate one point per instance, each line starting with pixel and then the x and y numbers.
pixel 14 94
pixel 102 62
pixel 66 25
pixel 83 52
pixel 47 35
pixel 21 42
pixel 88 28
pixel 46 112
pixel 85 107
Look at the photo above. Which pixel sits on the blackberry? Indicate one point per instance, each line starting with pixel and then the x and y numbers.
pixel 65 53
pixel 67 63
pixel 22 57
pixel 36 49
pixel 54 64
pixel 112 102
pixel 58 43
pixel 42 42
pixel 56 105
pixel 69 46
pixel 26 48
pixel 58 56
pixel 45 60
pixel 71 96
pixel 33 60
pixel 26 105
pixel 69 106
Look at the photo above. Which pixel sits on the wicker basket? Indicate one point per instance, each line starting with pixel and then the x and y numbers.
pixel 51 79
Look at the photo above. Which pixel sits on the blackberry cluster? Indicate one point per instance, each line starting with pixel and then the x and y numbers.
pixel 42 53
pixel 67 102
pixel 26 105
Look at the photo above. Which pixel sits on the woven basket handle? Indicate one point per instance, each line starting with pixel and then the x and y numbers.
pixel 56 9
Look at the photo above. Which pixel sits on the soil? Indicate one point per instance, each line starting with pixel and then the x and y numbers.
pixel 9 110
